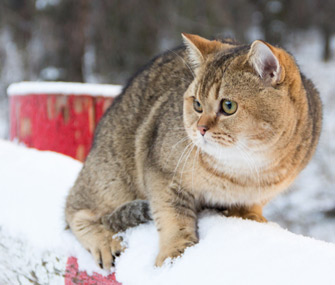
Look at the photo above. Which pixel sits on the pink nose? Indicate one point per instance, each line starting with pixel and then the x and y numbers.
pixel 203 129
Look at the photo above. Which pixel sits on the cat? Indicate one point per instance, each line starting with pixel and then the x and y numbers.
pixel 210 124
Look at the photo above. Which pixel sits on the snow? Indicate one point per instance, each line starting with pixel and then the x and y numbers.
pixel 29 88
pixel 33 238
pixel 230 251
pixel 33 188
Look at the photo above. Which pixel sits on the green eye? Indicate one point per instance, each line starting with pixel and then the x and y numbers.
pixel 197 106
pixel 228 107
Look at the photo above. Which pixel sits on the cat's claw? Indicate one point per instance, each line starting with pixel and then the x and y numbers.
pixel 172 252
pixel 106 252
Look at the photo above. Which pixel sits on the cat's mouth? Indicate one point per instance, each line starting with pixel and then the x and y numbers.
pixel 215 140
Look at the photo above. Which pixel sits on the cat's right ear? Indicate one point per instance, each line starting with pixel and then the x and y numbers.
pixel 199 48
pixel 264 58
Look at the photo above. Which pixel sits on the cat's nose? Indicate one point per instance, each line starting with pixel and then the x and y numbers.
pixel 203 129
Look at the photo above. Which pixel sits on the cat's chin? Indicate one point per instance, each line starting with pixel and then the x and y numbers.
pixel 231 156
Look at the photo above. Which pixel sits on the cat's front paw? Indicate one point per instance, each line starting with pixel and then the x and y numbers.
pixel 250 216
pixel 173 250
pixel 255 217
pixel 105 249
pixel 253 213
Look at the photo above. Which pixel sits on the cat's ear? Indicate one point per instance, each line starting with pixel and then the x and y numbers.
pixel 199 48
pixel 264 59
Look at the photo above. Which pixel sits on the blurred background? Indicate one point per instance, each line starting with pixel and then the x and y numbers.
pixel 105 41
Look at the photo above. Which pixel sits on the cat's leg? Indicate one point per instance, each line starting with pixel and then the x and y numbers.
pixel 95 237
pixel 254 212
pixel 174 212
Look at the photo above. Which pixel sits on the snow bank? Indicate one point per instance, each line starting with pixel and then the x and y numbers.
pixel 33 187
pixel 230 251
pixel 29 88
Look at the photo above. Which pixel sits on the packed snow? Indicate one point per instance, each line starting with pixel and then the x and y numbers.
pixel 33 187
pixel 230 251
pixel 35 244
pixel 28 88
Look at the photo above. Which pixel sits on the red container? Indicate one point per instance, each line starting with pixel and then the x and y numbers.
pixel 58 116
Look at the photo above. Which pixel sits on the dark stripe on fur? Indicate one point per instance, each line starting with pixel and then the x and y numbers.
pixel 183 202
pixel 128 215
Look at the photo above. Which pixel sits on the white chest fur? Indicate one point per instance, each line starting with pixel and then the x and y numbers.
pixel 229 175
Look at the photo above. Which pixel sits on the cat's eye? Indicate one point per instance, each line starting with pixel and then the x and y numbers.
pixel 228 107
pixel 197 106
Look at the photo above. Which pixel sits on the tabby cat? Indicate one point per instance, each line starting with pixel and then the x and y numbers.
pixel 211 124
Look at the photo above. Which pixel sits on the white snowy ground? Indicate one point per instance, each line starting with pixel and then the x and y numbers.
pixel 33 186
pixel 34 245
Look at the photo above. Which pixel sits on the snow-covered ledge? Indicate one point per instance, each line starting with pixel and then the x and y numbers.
pixel 66 88
pixel 34 244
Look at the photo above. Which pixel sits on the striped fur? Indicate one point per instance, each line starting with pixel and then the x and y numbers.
pixel 155 157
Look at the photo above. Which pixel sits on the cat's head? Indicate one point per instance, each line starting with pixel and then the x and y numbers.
pixel 241 102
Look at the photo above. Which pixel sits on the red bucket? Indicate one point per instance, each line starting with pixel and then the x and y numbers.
pixel 58 116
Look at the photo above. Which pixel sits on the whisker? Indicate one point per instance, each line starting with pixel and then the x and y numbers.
pixel 175 145
pixel 188 156
pixel 195 157
pixel 180 159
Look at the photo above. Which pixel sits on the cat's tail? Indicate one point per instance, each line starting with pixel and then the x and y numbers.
pixel 128 215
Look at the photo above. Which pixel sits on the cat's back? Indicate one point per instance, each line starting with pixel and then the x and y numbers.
pixel 314 118
pixel 167 76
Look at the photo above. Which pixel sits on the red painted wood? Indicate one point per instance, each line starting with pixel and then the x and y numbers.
pixel 61 123
pixel 74 276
